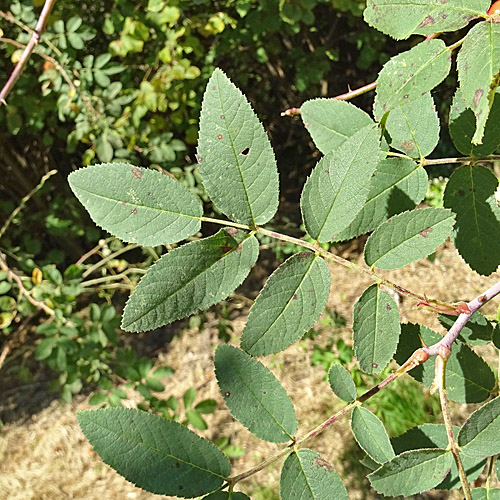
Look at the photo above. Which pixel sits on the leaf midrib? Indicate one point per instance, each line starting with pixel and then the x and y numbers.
pixel 162 210
pixel 234 153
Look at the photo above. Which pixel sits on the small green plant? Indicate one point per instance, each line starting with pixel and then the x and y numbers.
pixel 370 180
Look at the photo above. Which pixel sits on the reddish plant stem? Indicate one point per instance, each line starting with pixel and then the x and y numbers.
pixel 35 38
pixel 447 341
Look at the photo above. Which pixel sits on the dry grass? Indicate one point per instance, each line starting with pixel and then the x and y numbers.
pixel 48 458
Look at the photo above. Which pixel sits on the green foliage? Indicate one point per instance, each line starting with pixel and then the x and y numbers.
pixel 238 170
pixel 254 396
pixel 164 211
pixel 408 237
pixel 308 476
pixel 223 262
pixel 375 329
pixel 292 300
pixel 371 435
pixel 127 439
pixel 338 186
pixel 233 143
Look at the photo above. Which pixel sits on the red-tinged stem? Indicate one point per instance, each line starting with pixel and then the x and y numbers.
pixel 475 304
pixel 35 38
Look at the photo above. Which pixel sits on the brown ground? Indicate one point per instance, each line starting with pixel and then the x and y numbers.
pixel 46 457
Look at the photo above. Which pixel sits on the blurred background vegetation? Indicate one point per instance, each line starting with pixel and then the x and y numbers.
pixel 123 80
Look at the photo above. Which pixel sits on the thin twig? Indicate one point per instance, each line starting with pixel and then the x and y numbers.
pixel 440 381
pixel 13 276
pixel 35 38
pixel 61 70
pixel 111 256
pixel 25 200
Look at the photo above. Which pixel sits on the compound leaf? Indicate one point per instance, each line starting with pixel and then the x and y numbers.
pixel 331 122
pixel 137 205
pixel 408 237
pixel 405 77
pixel 371 435
pixel 254 396
pixel 478 437
pixel 470 193
pixel 342 383
pixel 398 184
pixel 158 455
pixel 338 186
pixel 400 18
pixel 435 436
pixel 236 161
pixel 414 127
pixel 289 304
pixel 376 329
pixel 478 65
pixel 412 472
pixel 190 278
pixel 308 476
pixel 462 125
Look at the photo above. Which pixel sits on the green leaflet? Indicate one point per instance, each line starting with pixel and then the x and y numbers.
pixel 236 161
pixel 470 193
pixel 136 204
pixel 289 304
pixel 190 278
pixel 254 396
pixel 400 18
pixel 158 455
pixel 308 476
pixel 371 435
pixel 338 186
pixel 478 436
pixel 463 125
pixel 405 77
pixel 484 494
pixel 478 65
pixel 435 436
pixel 469 379
pixel 331 122
pixel 414 127
pixel 412 472
pixel 408 237
pixel 342 383
pixel 477 331
pixel 397 185
pixel 376 329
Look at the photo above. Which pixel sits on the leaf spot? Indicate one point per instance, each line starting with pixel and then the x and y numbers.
pixel 425 232
pixel 461 193
pixel 388 307
pixel 321 462
pixel 428 21
pixel 222 117
pixel 477 96
pixel 294 296
pixel 219 136
pixel 375 365
pixel 227 394
pixel 133 211
pixel 137 173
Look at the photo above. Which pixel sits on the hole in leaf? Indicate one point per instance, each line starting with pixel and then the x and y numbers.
pixel 245 152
